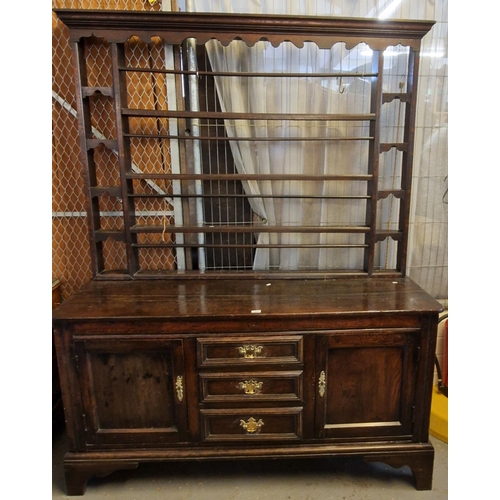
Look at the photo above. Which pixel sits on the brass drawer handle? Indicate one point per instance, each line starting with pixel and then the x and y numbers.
pixel 251 386
pixel 251 425
pixel 322 383
pixel 250 351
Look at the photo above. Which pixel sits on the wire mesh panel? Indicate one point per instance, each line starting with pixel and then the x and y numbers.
pixel 71 255
pixel 70 249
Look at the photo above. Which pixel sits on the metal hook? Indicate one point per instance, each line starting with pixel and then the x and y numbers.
pixel 445 195
pixel 341 87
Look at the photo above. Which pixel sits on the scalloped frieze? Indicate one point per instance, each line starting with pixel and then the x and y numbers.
pixel 107 143
pixel 387 146
pixel 322 41
pixel 383 235
pixel 402 96
pixel 397 193
pixel 113 191
pixel 90 91
pixel 103 235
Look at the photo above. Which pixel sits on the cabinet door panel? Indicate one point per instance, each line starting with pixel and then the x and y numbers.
pixel 129 391
pixel 366 383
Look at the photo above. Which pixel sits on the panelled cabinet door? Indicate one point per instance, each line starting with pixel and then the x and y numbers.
pixel 365 383
pixel 132 391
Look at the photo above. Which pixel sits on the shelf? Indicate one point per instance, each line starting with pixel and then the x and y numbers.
pixel 157 113
pixel 239 74
pixel 250 228
pixel 248 196
pixel 242 245
pixel 198 173
pixel 249 177
pixel 247 139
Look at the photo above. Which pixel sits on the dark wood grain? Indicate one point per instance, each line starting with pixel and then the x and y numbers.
pixel 175 27
pixel 373 338
pixel 222 298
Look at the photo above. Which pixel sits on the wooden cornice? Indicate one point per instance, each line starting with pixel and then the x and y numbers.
pixel 174 27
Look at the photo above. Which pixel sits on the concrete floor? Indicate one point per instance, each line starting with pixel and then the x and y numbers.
pixel 306 479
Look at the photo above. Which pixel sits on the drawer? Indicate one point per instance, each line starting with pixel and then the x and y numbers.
pixel 251 386
pixel 220 351
pixel 265 424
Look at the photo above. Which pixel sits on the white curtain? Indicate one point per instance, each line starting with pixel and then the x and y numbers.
pixel 303 95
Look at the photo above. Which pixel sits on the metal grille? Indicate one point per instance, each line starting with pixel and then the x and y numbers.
pixel 70 248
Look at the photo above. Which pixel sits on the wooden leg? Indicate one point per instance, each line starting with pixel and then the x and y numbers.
pixel 420 462
pixel 422 470
pixel 78 473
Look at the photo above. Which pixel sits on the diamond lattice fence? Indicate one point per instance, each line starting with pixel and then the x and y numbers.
pixel 71 262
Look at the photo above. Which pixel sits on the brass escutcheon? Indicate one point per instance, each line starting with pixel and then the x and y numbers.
pixel 322 383
pixel 250 351
pixel 250 386
pixel 179 386
pixel 251 425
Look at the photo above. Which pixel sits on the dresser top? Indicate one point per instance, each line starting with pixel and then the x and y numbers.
pixel 220 298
